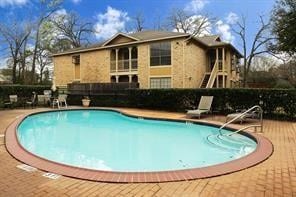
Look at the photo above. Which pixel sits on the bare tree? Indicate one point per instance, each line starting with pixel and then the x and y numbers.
pixel 44 60
pixel 15 35
pixel 72 28
pixel 196 25
pixel 138 22
pixel 258 43
pixel 24 54
pixel 46 9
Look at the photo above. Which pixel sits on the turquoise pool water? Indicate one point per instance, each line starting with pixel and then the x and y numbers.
pixel 107 140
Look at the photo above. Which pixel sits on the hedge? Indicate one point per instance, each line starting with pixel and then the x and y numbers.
pixel 276 103
pixel 22 91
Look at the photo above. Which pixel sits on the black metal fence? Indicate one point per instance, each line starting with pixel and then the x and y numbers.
pixel 89 89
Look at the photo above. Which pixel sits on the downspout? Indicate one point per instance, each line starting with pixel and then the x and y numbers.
pixel 183 66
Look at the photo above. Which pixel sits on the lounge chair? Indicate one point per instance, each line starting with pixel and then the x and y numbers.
pixel 242 118
pixel 204 106
pixel 11 102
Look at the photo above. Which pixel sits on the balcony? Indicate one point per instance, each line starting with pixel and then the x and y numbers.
pixel 124 65
pixel 124 59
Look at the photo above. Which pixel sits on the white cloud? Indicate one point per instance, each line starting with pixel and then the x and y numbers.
pixel 110 23
pixel 4 3
pixel 232 18
pixel 224 30
pixel 60 12
pixel 196 5
pixel 76 1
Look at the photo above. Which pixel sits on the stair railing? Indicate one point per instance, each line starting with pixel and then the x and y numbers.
pixel 213 75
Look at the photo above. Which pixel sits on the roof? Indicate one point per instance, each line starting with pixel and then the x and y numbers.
pixel 215 41
pixel 146 36
pixel 150 35
pixel 212 40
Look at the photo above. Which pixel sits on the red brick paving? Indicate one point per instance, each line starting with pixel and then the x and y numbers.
pixel 274 177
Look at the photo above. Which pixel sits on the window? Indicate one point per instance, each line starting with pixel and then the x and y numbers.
pixel 76 59
pixel 160 54
pixel 233 61
pixel 158 83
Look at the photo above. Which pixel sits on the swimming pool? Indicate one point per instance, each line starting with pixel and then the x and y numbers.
pixel 109 141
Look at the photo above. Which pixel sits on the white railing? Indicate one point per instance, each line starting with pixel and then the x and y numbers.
pixel 213 76
pixel 124 65
pixel 241 115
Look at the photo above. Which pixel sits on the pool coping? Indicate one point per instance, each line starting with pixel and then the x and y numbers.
pixel 263 151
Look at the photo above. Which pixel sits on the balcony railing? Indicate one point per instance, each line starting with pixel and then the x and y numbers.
pixel 134 64
pixel 123 65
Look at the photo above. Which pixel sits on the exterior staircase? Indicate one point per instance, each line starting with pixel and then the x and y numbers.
pixel 205 81
pixel 209 79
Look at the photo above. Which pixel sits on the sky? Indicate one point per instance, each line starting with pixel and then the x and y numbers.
pixel 112 16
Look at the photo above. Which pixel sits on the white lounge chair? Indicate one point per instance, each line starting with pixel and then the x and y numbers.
pixel 242 117
pixel 204 106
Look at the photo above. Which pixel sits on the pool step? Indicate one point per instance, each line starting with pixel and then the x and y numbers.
pixel 227 144
pixel 235 140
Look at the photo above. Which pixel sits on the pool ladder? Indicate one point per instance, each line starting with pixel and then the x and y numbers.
pixel 253 109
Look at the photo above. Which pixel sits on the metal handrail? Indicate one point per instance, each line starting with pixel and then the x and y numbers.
pixel 243 114
pixel 249 126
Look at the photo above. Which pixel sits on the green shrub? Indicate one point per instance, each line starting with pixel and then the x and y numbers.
pixel 276 103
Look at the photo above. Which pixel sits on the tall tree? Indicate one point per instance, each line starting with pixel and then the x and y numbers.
pixel 258 43
pixel 284 26
pixel 24 54
pixel 45 8
pixel 14 35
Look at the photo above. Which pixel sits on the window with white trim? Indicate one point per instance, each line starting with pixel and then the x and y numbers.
pixel 160 54
pixel 160 83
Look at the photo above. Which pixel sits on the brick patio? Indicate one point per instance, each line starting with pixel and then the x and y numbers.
pixel 274 177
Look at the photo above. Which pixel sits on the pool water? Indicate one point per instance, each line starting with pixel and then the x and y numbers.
pixel 108 140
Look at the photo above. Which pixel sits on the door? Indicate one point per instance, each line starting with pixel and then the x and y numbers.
pixel 77 72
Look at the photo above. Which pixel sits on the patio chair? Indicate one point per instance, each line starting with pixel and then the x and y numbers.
pixel 32 101
pixel 47 97
pixel 62 99
pixel 204 106
pixel 41 99
pixel 12 100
